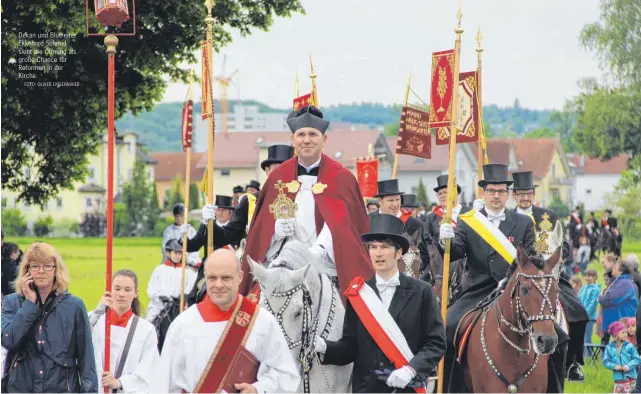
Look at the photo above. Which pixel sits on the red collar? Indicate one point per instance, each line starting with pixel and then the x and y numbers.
pixel 120 321
pixel 405 215
pixel 170 264
pixel 211 313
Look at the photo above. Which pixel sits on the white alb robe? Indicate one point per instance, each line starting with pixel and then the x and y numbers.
pixel 173 232
pixel 165 281
pixel 190 343
pixel 305 228
pixel 142 361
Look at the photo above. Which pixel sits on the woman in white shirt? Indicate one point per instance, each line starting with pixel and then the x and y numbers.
pixel 131 372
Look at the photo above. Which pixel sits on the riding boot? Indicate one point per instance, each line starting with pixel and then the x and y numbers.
pixel 576 345
pixel 556 369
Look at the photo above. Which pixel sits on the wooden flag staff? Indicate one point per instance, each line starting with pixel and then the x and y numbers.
pixel 407 97
pixel 209 20
pixel 482 148
pixel 187 183
pixel 451 183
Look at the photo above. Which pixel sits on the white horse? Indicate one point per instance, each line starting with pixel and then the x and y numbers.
pixel 298 292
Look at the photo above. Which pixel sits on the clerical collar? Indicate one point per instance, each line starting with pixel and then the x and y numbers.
pixel 120 321
pixel 211 313
pixel 524 211
pixel 311 170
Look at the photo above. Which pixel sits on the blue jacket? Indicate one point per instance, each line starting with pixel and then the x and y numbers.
pixel 628 357
pixel 56 357
pixel 619 300
pixel 588 296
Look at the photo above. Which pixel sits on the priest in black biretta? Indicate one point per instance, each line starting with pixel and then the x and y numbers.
pixel 308 116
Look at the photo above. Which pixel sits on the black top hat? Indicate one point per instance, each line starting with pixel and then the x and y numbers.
pixel 523 180
pixel 308 116
pixel 384 226
pixel 373 202
pixel 224 202
pixel 254 184
pixel 494 174
pixel 239 189
pixel 409 201
pixel 388 188
pixel 441 182
pixel 277 154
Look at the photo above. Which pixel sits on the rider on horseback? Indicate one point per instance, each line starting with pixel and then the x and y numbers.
pixel 486 267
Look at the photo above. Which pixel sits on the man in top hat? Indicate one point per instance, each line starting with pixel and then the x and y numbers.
pixel 486 268
pixel 545 219
pixel 237 227
pixel 390 200
pixel 176 230
pixel 409 203
pixel 224 209
pixel 433 223
pixel 329 215
pixel 388 302
pixel 610 223
pixel 237 194
pixel 253 187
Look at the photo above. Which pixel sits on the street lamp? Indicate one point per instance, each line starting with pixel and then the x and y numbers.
pixel 111 14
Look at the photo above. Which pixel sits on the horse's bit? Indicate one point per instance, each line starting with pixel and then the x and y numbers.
pixel 309 329
pixel 524 323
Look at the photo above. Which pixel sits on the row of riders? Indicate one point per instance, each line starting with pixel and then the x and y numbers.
pixel 347 287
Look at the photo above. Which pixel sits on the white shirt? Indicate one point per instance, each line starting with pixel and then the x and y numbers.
pixel 495 222
pixel 191 341
pixel 142 360
pixel 165 281
pixel 524 211
pixel 388 292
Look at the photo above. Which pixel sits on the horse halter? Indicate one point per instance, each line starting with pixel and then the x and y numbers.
pixel 408 260
pixel 523 320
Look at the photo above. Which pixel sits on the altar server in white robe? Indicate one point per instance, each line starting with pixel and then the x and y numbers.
pixel 165 280
pixel 194 335
pixel 140 362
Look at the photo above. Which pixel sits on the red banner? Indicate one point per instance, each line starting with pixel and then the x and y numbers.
pixel 187 124
pixel 303 101
pixel 207 98
pixel 442 88
pixel 367 175
pixel 467 126
pixel 414 136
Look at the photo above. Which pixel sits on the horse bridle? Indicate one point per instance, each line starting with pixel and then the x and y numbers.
pixel 523 321
pixel 408 259
pixel 309 329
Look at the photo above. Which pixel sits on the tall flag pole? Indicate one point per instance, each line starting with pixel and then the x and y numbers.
pixel 451 182
pixel 312 76
pixel 208 112
pixel 481 145
pixel 187 128
pixel 297 87
pixel 407 97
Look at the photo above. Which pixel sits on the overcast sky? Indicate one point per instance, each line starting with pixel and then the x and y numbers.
pixel 363 50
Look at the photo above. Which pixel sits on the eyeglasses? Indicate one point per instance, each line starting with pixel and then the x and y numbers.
pixel 525 194
pixel 501 192
pixel 47 267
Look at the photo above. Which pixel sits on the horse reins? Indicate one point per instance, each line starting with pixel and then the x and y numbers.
pixel 524 323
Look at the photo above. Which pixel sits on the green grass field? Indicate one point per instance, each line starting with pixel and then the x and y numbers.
pixel 86 261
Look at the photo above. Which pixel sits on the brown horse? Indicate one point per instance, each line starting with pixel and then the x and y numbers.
pixel 509 346
pixel 410 263
pixel 457 268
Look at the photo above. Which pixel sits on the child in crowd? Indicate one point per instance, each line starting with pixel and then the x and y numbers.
pixel 622 358
pixel 631 326
pixel 583 255
pixel 588 296
pixel 576 283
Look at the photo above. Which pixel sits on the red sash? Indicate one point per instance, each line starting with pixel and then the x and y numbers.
pixel 254 293
pixel 235 335
pixel 604 222
pixel 576 219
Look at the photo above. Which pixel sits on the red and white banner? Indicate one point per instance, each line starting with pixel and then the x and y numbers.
pixel 467 126
pixel 442 88
pixel 303 101
pixel 187 124
pixel 414 135
pixel 379 323
pixel 367 175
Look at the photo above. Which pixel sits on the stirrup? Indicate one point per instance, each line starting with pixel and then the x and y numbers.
pixel 579 369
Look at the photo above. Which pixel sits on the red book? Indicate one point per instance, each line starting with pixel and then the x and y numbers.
pixel 243 369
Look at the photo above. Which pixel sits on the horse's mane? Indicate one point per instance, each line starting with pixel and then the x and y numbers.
pixel 537 260
pixel 294 255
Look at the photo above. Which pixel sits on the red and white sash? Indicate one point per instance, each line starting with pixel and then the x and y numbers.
pixel 576 219
pixel 379 323
pixel 439 211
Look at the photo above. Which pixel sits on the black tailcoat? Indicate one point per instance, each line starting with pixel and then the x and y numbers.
pixel 415 309
pixel 431 233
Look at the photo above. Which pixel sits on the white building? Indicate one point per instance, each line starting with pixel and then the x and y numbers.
pixel 594 179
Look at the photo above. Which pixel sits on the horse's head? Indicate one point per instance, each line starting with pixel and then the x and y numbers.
pixel 436 265
pixel 290 290
pixel 533 298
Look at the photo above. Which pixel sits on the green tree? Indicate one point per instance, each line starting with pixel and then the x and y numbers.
pixel 421 193
pixel 559 207
pixel 391 129
pixel 43 226
pixel 629 210
pixel 194 196
pixel 54 130
pixel 542 132
pixel 14 222
pixel 138 197
pixel 608 117
pixel 174 194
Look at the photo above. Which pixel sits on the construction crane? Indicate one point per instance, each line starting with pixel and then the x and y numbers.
pixel 224 82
